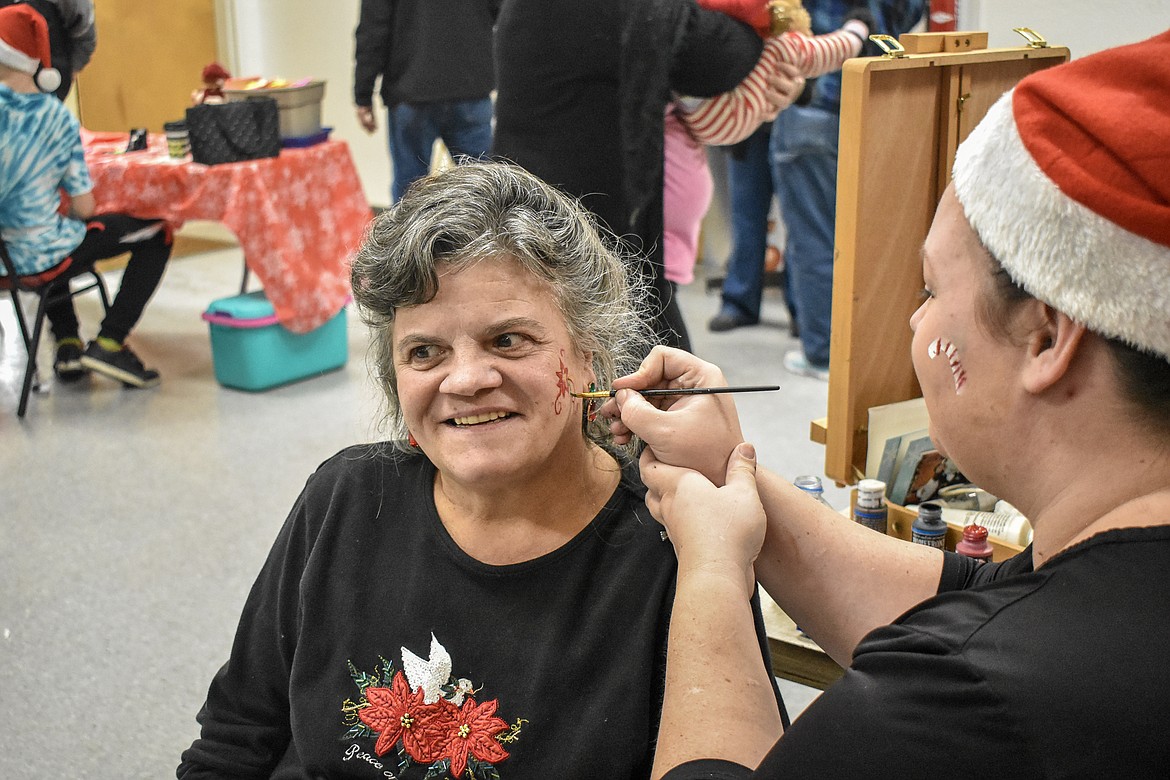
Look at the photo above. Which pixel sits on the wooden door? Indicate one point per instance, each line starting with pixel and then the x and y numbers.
pixel 148 61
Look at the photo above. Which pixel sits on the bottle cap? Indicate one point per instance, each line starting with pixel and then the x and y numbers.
pixel 974 533
pixel 974 543
pixel 809 482
pixel 871 493
pixel 929 520
pixel 930 510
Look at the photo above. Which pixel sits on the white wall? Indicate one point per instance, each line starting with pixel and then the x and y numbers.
pixel 296 39
pixel 1084 26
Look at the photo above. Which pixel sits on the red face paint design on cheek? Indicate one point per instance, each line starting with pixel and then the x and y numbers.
pixel 564 384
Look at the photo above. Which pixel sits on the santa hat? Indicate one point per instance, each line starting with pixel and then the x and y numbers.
pixel 1067 183
pixel 24 45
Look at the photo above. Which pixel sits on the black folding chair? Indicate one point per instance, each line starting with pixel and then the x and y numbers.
pixel 46 293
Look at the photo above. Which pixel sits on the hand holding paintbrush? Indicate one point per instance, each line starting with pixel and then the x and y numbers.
pixel 693 424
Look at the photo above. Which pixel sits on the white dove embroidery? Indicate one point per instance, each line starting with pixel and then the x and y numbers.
pixel 429 675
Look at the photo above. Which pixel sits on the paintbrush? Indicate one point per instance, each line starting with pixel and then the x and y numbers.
pixel 681 391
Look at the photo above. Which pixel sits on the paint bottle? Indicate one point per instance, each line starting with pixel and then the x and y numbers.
pixel 1006 526
pixel 811 484
pixel 929 528
pixel 974 543
pixel 870 508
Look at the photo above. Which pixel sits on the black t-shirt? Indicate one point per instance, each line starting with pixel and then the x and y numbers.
pixel 555 665
pixel 1057 673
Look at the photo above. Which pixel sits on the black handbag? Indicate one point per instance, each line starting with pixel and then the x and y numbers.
pixel 231 132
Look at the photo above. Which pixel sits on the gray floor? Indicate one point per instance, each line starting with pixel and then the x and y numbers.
pixel 133 522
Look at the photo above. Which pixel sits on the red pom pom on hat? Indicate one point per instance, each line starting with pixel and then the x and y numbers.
pixel 24 45
pixel 1067 182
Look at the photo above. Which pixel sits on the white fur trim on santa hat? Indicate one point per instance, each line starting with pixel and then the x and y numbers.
pixel 16 59
pixel 1115 282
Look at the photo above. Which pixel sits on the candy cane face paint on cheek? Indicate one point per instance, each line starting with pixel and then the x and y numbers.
pixel 945 347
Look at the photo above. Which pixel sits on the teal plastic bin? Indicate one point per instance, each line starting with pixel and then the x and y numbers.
pixel 252 351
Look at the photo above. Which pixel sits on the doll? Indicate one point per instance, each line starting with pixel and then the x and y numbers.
pixel 214 77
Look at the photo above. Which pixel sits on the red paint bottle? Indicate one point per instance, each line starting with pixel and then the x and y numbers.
pixel 974 543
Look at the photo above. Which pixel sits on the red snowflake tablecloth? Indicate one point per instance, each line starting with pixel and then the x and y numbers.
pixel 298 217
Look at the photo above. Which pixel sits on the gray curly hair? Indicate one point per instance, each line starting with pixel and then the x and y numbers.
pixel 483 210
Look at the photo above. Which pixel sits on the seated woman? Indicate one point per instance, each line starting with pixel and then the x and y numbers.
pixel 485 595
pixel 1042 347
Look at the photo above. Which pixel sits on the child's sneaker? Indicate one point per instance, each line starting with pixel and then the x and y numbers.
pixel 796 363
pixel 122 365
pixel 67 365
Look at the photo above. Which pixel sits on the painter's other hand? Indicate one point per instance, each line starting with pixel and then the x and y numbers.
pixel 713 529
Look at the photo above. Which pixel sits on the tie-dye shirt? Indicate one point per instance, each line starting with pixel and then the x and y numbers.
pixel 40 154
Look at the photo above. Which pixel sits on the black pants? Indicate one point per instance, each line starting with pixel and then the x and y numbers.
pixel 107 237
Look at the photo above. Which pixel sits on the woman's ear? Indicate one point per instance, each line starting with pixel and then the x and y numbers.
pixel 1052 346
pixel 587 357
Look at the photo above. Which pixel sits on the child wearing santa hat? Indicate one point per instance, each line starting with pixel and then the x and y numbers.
pixel 40 155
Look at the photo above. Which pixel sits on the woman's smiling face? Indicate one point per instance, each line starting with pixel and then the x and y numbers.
pixel 484 370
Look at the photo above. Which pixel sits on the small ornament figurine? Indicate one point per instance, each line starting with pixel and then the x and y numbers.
pixel 214 77
pixel 789 16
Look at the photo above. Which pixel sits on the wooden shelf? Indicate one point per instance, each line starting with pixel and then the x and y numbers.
pixel 900 525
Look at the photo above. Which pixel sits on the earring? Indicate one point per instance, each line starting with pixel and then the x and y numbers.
pixel 588 411
pixel 410 439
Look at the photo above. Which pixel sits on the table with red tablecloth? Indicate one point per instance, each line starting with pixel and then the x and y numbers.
pixel 298 217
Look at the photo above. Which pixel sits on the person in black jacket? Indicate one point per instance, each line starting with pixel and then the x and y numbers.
pixel 583 90
pixel 434 60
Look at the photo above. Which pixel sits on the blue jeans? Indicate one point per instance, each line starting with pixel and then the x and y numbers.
pixel 804 167
pixel 749 183
pixel 464 125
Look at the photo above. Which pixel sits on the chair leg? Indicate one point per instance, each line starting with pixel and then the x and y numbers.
pixel 31 368
pixel 20 321
pixel 101 287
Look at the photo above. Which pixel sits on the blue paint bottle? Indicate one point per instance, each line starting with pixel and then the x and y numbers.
pixel 870 509
pixel 929 527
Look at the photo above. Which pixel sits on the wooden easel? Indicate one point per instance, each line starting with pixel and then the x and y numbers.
pixel 903 116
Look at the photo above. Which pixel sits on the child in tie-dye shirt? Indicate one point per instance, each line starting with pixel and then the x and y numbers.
pixel 40 156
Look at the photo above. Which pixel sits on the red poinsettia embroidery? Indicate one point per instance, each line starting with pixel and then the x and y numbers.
pixel 472 729
pixel 396 713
